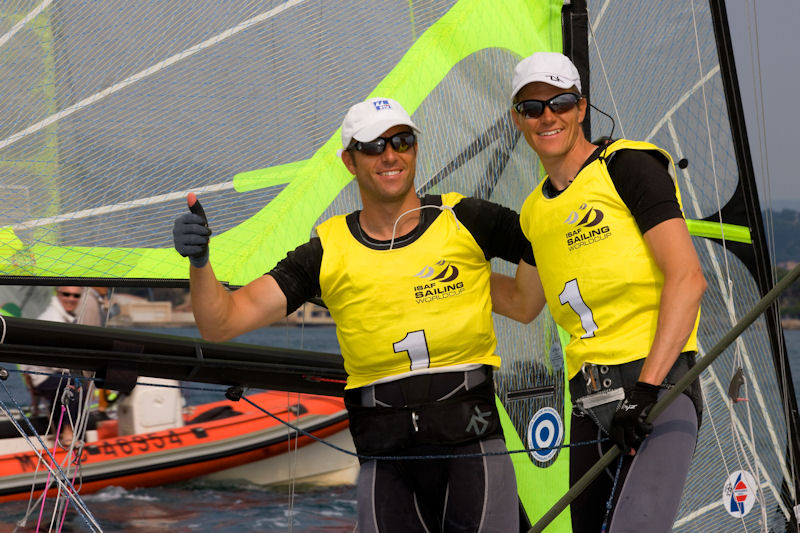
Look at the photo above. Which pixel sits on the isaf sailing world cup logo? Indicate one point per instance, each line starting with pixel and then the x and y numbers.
pixel 441 281
pixel 585 227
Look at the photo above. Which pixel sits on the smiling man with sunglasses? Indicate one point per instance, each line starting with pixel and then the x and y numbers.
pixel 617 268
pixel 407 282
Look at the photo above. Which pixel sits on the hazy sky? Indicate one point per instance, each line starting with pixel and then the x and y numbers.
pixel 769 31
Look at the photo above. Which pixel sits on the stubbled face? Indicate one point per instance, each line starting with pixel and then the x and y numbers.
pixel 66 295
pixel 386 177
pixel 551 135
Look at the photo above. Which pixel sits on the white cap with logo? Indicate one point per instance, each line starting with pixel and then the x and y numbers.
pixel 366 120
pixel 549 67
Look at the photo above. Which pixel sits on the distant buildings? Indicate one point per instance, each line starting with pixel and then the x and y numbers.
pixel 132 310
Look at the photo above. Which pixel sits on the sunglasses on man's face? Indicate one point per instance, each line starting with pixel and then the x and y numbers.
pixel 561 103
pixel 70 294
pixel 401 142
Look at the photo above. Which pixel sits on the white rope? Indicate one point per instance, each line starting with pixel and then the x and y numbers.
pixel 56 471
pixel 766 182
pixel 292 447
pixel 741 359
pixel 439 207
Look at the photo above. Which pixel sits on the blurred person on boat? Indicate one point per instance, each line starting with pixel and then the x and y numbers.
pixel 50 383
pixel 407 282
pixel 616 265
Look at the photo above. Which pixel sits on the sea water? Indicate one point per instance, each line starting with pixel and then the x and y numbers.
pixel 203 507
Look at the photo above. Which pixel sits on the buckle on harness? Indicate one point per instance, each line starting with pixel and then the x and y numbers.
pixel 600 398
pixel 592 374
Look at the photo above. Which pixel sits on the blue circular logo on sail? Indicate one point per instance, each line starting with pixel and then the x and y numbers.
pixel 545 433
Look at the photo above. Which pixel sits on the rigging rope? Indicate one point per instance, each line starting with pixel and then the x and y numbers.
pixel 52 466
pixel 741 358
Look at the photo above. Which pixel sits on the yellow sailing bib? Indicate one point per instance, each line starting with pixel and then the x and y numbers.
pixel 600 280
pixel 425 305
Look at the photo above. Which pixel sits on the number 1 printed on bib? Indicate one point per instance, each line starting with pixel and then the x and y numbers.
pixel 572 295
pixel 417 347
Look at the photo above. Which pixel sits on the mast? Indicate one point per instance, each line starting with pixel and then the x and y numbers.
pixel 758 262
pixel 575 23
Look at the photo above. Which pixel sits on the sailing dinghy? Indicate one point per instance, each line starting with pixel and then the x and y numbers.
pixel 113 112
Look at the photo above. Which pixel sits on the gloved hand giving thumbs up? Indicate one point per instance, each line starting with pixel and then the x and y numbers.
pixel 191 233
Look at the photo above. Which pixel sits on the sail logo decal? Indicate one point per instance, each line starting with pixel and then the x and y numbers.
pixel 545 433
pixel 441 282
pixel 584 227
pixel 738 494
pixel 381 104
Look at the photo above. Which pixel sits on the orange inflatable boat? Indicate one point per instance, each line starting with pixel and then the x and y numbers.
pixel 223 440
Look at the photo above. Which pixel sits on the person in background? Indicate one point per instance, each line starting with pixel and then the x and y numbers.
pixel 48 383
pixel 407 282
pixel 616 265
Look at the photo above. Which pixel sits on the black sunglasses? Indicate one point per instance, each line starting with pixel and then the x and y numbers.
pixel 401 142
pixel 560 103
pixel 70 294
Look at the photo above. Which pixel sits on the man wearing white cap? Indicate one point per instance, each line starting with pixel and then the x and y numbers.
pixel 406 280
pixel 618 270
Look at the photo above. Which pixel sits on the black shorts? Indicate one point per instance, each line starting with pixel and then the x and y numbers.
pixel 470 494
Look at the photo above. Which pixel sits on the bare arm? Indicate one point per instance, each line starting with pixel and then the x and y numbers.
pixel 222 314
pixel 520 298
pixel 684 285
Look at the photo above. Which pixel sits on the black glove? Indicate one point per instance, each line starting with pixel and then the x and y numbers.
pixel 628 427
pixel 191 234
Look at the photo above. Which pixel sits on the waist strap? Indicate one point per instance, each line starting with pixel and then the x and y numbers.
pixel 458 412
pixel 597 389
pixel 422 388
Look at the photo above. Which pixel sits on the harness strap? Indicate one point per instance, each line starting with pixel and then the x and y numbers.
pixel 598 389
pixel 422 388
pixel 460 408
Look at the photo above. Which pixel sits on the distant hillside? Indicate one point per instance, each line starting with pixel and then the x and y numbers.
pixel 790 300
pixel 786 229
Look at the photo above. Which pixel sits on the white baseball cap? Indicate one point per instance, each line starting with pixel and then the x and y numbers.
pixel 550 67
pixel 366 120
